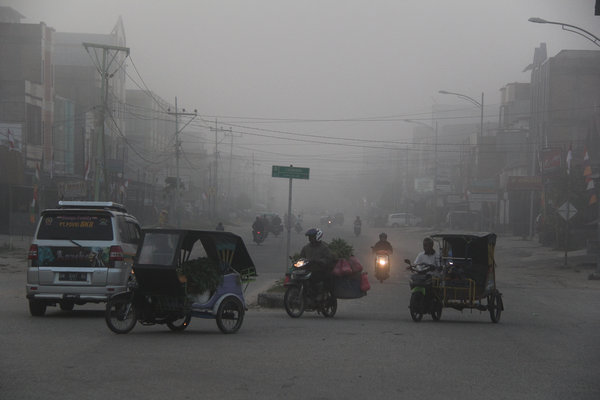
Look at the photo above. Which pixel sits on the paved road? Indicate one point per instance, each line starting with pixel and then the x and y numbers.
pixel 545 347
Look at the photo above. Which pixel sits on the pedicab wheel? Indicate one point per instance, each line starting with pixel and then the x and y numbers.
pixel 294 302
pixel 180 324
pixel 416 300
pixel 495 306
pixel 230 315
pixel 330 307
pixel 120 315
pixel 436 312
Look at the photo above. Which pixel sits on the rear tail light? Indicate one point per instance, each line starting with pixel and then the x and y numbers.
pixel 115 254
pixel 33 252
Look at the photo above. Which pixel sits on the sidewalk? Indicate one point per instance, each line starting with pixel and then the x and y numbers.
pixel 15 242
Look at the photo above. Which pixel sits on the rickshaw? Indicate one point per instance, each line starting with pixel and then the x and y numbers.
pixel 466 279
pixel 181 273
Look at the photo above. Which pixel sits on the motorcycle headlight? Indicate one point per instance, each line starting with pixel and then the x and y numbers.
pixel 300 263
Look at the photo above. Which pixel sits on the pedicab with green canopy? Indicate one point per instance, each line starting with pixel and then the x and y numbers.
pixel 183 273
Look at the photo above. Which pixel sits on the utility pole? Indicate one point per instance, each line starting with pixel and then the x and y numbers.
pixel 216 193
pixel 177 147
pixel 109 55
pixel 231 135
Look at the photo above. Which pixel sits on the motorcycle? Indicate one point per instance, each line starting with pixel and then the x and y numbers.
pixel 423 299
pixel 303 294
pixel 276 229
pixel 357 228
pixel 382 265
pixel 259 236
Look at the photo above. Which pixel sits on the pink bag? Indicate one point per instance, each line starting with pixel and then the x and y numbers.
pixel 342 268
pixel 364 282
pixel 355 264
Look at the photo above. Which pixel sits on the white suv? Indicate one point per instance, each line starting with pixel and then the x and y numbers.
pixel 402 219
pixel 82 252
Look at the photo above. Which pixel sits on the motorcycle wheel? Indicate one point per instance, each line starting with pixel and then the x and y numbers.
pixel 495 306
pixel 436 309
pixel 416 302
pixel 178 325
pixel 230 315
pixel 120 315
pixel 294 302
pixel 330 307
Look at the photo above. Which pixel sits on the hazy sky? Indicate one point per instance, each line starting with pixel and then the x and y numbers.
pixel 324 59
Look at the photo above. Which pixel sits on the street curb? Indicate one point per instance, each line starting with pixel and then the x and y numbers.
pixel 270 300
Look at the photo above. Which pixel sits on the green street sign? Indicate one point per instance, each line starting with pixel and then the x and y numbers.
pixel 280 171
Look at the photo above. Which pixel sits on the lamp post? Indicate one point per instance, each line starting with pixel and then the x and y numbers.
pixel 571 28
pixel 435 170
pixel 472 101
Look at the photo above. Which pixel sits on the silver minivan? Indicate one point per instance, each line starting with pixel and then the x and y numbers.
pixel 402 219
pixel 82 252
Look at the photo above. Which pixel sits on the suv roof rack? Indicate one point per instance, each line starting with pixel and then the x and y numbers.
pixel 92 204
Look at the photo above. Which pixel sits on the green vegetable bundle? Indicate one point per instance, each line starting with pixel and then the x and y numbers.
pixel 340 248
pixel 202 275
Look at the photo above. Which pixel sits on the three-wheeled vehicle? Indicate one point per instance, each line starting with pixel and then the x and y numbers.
pixel 179 274
pixel 466 277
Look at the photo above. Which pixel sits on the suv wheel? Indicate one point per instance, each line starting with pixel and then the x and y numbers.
pixel 37 308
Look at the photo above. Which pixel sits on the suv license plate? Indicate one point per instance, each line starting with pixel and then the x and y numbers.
pixel 72 276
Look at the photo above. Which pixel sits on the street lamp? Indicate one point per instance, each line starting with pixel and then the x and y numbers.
pixel 571 28
pixel 471 100
pixel 435 171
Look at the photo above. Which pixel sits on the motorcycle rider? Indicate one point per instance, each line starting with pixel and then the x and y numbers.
pixel 383 244
pixel 357 222
pixel 258 226
pixel 428 255
pixel 318 253
pixel 219 227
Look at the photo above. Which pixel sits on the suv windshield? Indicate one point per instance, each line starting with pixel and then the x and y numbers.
pixel 80 225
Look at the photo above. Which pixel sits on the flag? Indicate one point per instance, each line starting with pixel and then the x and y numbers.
pixel 11 140
pixel 587 168
pixel 569 158
pixel 587 173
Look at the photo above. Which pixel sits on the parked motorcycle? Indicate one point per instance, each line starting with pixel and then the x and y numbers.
pixel 303 294
pixel 423 300
pixel 259 236
pixel 382 265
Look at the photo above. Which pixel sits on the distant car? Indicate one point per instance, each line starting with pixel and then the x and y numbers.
pixel 402 219
pixel 82 252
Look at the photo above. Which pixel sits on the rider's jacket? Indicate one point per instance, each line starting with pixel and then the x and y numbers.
pixel 429 259
pixel 258 226
pixel 383 245
pixel 318 252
